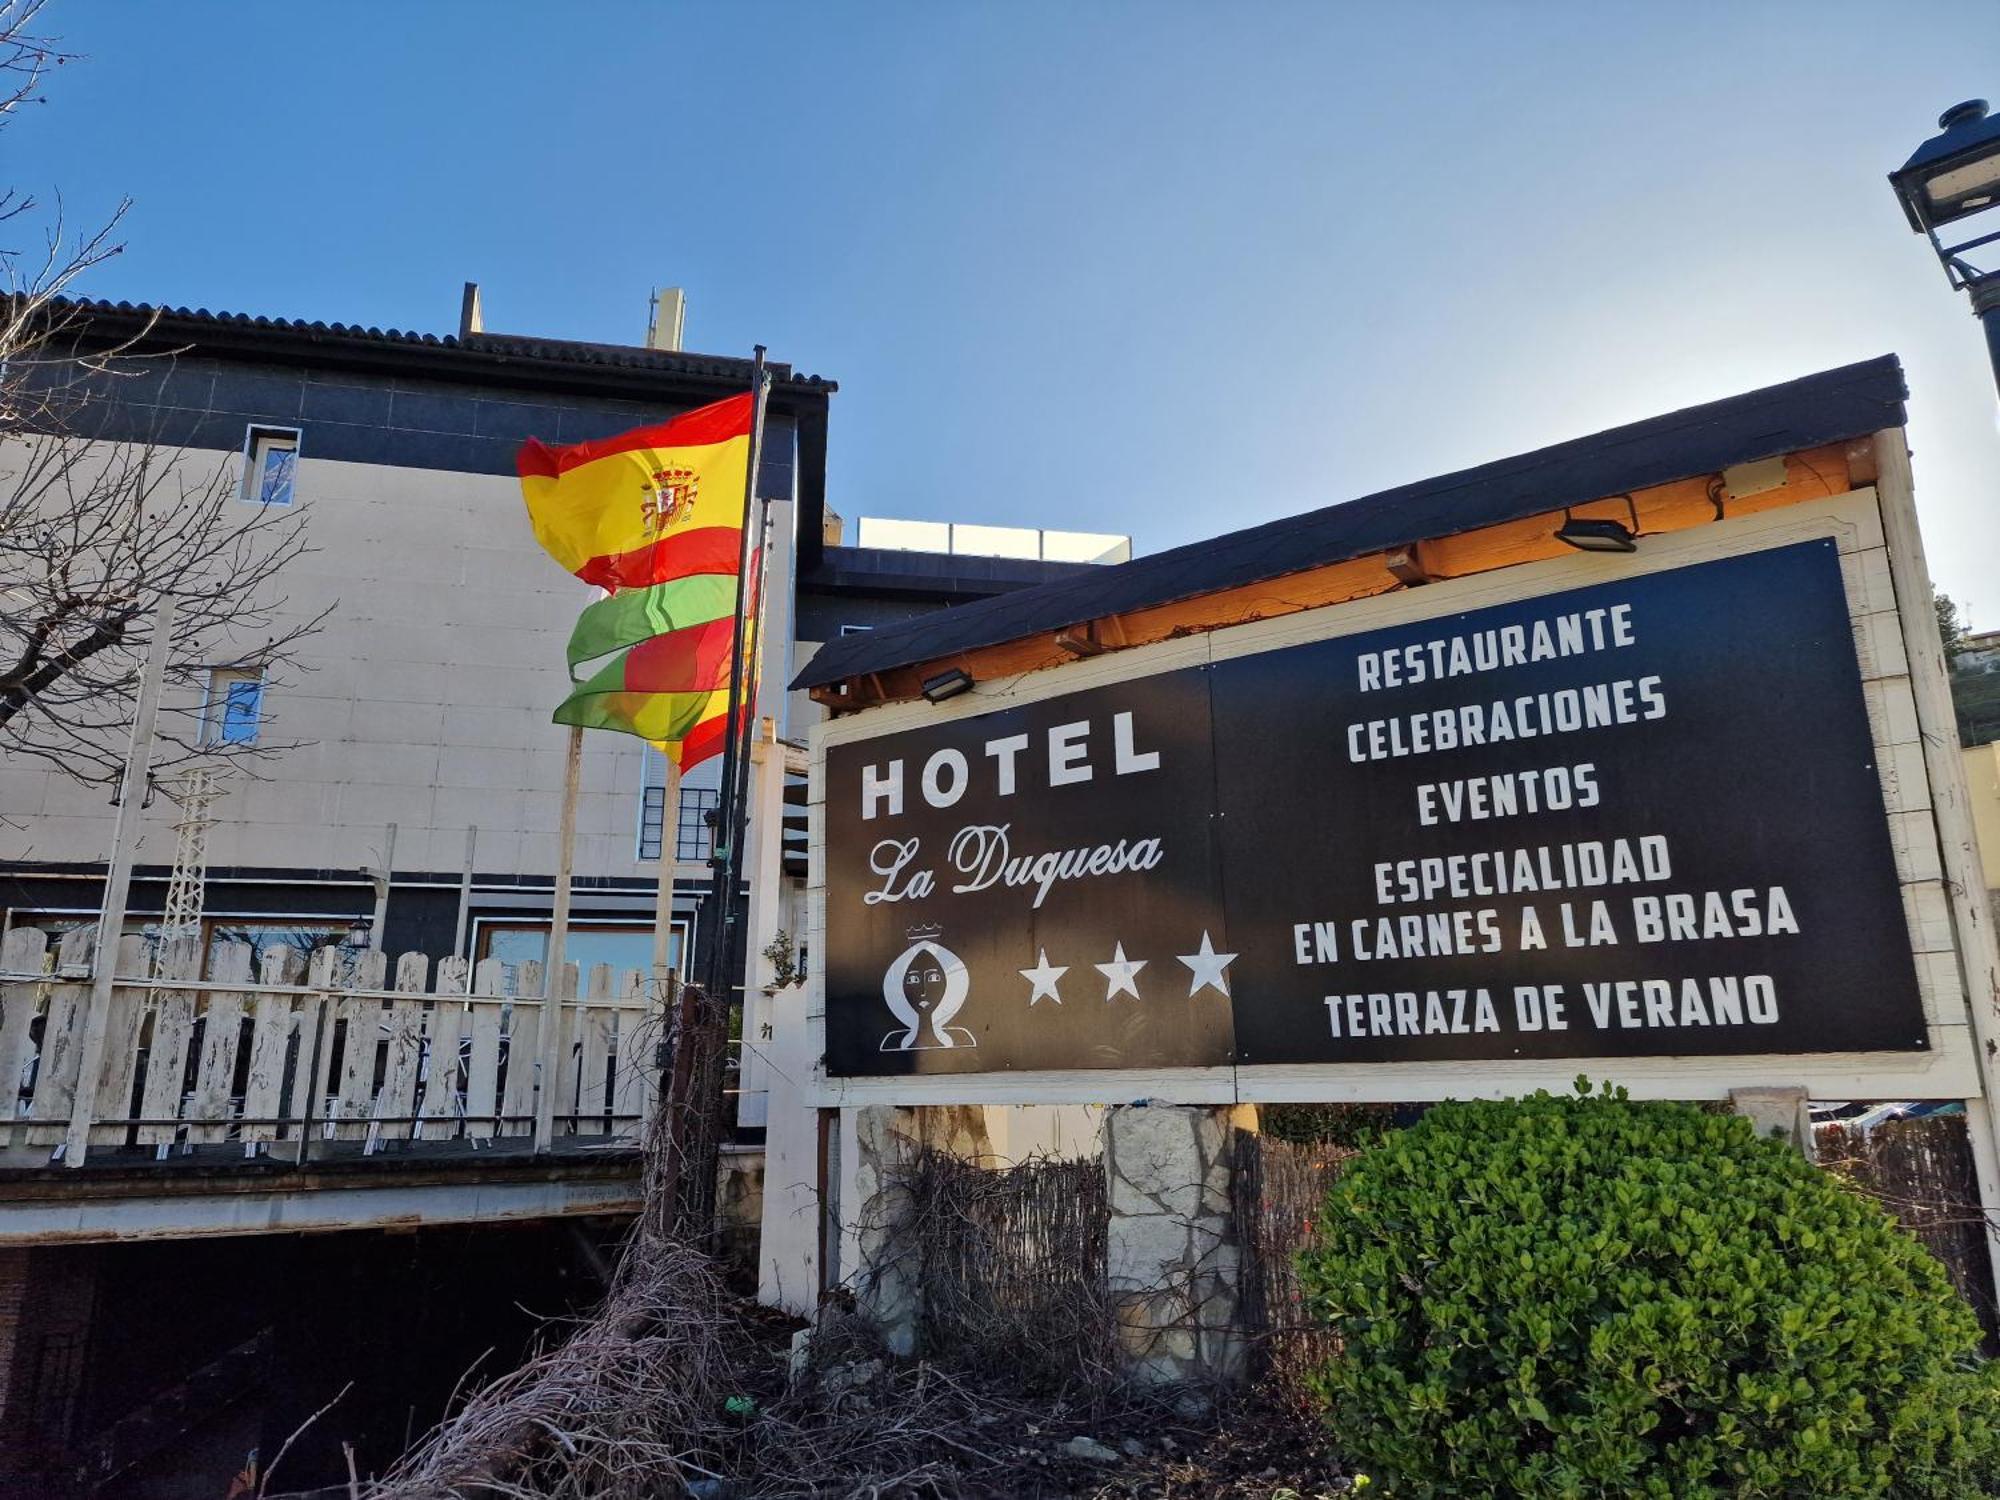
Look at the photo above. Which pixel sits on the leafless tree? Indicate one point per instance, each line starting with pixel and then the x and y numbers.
pixel 94 535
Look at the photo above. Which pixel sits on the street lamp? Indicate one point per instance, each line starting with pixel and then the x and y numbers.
pixel 1955 175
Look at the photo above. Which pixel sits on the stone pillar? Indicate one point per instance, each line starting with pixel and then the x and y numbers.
pixel 876 1208
pixel 1783 1113
pixel 1172 1257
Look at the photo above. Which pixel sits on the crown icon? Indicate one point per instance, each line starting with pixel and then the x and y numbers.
pixel 923 930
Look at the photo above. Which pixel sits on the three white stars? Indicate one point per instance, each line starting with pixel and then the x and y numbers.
pixel 1043 977
pixel 1207 969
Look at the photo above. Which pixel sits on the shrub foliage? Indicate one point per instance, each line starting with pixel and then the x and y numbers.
pixel 1594 1297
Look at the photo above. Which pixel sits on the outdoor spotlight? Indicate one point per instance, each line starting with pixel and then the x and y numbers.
pixel 947 684
pixel 1601 533
pixel 1956 175
pixel 1589 535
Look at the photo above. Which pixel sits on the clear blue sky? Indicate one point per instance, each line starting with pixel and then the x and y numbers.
pixel 1150 268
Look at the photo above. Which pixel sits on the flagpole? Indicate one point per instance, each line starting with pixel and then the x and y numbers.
pixel 694 1084
pixel 725 861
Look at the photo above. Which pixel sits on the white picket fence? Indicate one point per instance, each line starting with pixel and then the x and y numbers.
pixel 293 1068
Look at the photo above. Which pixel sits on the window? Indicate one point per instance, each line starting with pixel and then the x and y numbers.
pixel 235 706
pixel 694 839
pixel 587 943
pixel 270 463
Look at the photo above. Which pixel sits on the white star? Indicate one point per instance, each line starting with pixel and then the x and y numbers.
pixel 1208 966
pixel 1043 977
pixel 1120 972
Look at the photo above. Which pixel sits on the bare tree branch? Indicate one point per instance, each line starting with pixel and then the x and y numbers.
pixel 95 534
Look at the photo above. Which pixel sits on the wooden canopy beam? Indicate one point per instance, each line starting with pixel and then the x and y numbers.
pixel 1812 474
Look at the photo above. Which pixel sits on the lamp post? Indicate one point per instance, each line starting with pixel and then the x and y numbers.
pixel 1952 177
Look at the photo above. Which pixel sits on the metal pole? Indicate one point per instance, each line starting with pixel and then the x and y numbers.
pixel 464 895
pixel 724 862
pixel 548 1042
pixel 118 885
pixel 1986 307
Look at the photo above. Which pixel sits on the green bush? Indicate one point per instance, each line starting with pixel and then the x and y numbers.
pixel 1593 1297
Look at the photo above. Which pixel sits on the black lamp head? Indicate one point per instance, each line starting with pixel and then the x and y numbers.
pixel 1954 174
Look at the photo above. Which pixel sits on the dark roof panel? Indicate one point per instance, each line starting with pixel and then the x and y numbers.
pixel 1830 407
pixel 195 323
pixel 879 570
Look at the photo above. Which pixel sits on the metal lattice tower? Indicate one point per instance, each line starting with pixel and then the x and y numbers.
pixel 195 791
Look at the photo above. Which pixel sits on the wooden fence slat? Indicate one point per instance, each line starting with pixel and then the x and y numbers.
pixel 361 1046
pixel 441 1106
pixel 563 1011
pixel 221 1039
pixel 632 1082
pixel 24 951
pixel 319 1063
pixel 124 1032
pixel 167 1055
pixel 482 1070
pixel 274 1042
pixel 62 1037
pixel 404 1020
pixel 592 1025
pixel 524 1022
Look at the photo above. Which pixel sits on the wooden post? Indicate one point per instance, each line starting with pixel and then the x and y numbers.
pixel 551 1022
pixel 382 877
pixel 765 837
pixel 464 895
pixel 663 905
pixel 118 884
pixel 1964 879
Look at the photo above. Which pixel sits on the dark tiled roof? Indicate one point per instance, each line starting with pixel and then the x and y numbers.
pixel 1830 407
pixel 878 570
pixel 198 324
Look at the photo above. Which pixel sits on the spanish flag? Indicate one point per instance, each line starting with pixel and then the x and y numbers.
pixel 647 506
pixel 653 516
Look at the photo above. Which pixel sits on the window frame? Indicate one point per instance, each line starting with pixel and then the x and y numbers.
pixel 258 439
pixel 215 706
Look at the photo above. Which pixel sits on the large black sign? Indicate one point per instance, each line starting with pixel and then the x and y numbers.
pixel 1635 819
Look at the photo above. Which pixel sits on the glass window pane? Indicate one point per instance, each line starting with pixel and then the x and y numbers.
pixel 621 947
pixel 275 481
pixel 240 711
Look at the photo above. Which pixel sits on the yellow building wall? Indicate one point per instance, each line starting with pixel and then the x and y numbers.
pixel 1982 776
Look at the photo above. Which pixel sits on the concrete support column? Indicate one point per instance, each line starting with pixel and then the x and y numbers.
pixel 1172 1258
pixel 788 1274
pixel 1781 1112
pixel 876 1209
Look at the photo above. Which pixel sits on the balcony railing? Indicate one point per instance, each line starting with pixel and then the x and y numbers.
pixel 347 1062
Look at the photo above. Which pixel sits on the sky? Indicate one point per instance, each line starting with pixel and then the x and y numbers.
pixel 1159 269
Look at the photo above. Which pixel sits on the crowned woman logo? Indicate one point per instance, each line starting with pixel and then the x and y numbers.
pixel 926 985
